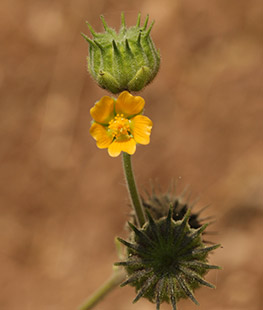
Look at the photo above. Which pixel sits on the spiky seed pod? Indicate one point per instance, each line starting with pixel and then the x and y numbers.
pixel 127 60
pixel 167 260
pixel 158 204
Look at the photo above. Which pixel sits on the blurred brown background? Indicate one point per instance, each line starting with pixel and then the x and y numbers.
pixel 63 200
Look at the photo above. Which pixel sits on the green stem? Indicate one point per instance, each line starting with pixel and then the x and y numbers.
pixel 135 198
pixel 117 277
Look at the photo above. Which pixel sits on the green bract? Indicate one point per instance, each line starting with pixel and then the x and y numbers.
pixel 127 60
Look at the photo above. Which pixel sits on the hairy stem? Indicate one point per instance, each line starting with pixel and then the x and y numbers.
pixel 134 196
pixel 117 277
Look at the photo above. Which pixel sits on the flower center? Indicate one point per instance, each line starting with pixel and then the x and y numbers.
pixel 120 127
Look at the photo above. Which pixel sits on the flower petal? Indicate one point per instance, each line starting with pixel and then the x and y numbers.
pixel 102 136
pixel 141 129
pixel 129 105
pixel 116 147
pixel 103 110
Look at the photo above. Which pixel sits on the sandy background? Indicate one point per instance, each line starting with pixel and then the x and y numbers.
pixel 62 200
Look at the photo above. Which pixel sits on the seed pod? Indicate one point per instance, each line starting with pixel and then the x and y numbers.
pixel 127 60
pixel 167 258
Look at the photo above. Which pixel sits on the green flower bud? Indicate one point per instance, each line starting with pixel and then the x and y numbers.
pixel 127 60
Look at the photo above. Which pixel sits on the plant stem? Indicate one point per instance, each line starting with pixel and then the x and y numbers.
pixel 134 196
pixel 117 277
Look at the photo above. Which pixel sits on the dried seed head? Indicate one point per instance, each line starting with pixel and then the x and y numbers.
pixel 167 258
pixel 127 60
pixel 158 204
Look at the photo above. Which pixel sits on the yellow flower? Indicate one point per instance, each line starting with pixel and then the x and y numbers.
pixel 118 124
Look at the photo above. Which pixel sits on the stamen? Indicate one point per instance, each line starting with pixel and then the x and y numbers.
pixel 120 127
